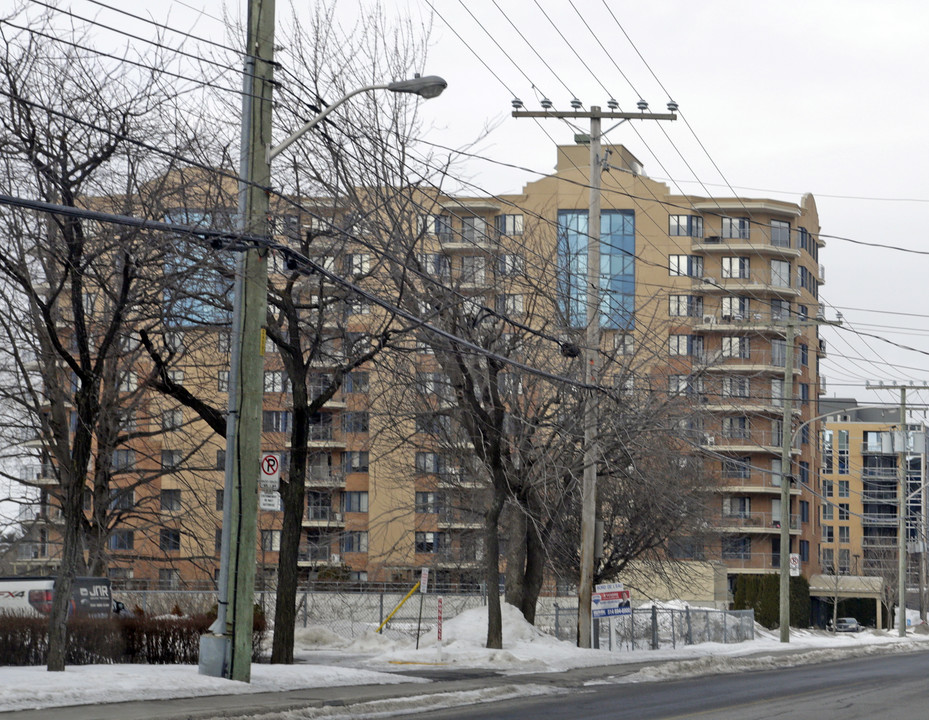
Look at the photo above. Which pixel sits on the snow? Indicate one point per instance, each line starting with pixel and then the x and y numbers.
pixel 327 660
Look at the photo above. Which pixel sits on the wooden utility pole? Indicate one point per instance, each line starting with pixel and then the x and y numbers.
pixel 592 349
pixel 227 652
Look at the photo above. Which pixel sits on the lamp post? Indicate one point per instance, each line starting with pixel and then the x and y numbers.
pixel 226 650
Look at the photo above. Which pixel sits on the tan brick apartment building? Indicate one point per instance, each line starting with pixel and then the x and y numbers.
pixel 697 287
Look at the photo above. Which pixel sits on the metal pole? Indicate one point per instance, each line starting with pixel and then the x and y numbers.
pixel 922 524
pixel 786 441
pixel 901 520
pixel 592 353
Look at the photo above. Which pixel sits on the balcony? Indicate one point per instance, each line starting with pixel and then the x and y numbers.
pixel 756 522
pixel 325 477
pixel 766 322
pixel 879 519
pixel 322 517
pixel 888 497
pixel 459 519
pixel 759 360
pixel 755 284
pixel 745 440
pixel 714 244
pixel 316 555
pixel 468 239
pixel 751 562
pixel 759 483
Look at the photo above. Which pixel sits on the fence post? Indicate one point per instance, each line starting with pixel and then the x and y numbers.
pixel 632 628
pixel 380 610
pixel 725 626
pixel 690 627
pixel 706 622
pixel 654 628
pixel 673 637
pixel 557 624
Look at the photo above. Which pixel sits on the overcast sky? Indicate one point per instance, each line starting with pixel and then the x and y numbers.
pixel 777 99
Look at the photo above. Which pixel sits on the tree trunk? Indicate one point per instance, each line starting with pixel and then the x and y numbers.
pixel 515 524
pixel 535 570
pixel 71 556
pixel 293 494
pixel 492 571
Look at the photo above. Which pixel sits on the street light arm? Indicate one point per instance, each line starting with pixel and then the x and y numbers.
pixel 274 152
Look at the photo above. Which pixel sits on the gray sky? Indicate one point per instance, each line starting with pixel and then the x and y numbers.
pixel 779 98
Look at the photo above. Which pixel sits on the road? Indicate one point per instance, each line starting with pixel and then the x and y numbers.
pixel 884 686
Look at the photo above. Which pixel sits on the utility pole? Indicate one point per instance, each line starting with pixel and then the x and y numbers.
pixel 227 651
pixel 592 349
pixel 901 519
pixel 787 436
pixel 924 507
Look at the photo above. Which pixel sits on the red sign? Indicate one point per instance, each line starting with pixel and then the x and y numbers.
pixel 610 596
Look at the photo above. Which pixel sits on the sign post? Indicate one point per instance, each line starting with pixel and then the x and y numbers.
pixel 423 586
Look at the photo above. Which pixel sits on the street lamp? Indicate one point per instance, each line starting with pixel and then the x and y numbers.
pixel 226 650
pixel 426 87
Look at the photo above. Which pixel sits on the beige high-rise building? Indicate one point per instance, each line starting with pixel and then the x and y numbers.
pixel 696 289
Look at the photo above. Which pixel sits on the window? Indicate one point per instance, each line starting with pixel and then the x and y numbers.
pixel 780 273
pixel 122 499
pixel 736 267
pixel 804 355
pixel 275 381
pixel 737 228
pixel 355 502
pixel 271 540
pixel 685 385
pixel 805 435
pixel 432 424
pixel 827 560
pixel 735 427
pixel 780 233
pixel 354 541
pixel 218 541
pixel 807 279
pixel 828 511
pixel 430 542
pixel 275 421
pixel 804 551
pixel 123 459
pixel 435 224
pixel 355 461
pixel 780 310
pixel 355 421
pixel 685 265
pixel 737 548
pixel 685 305
pixel 804 472
pixel 685 345
pixel 170 500
pixel 511 265
pixel 220 493
pixel 509 304
pixel 843 511
pixel 741 468
pixel 509 224
pixel 435 265
pixel 172 419
pixel 737 507
pixel 222 381
pixel 427 502
pixel 779 353
pixel 828 534
pixel 777 392
pixel 474 229
pixel 121 540
pixel 843 488
pixel 734 308
pixel 685 226
pixel 169 540
pixel 357 264
pixel 828 488
pixel 736 387
pixel 355 382
pixel 735 346
pixel 844 534
pixel 623 343
pixel 776 472
pixel 220 459
pixel 804 393
pixel 169 579
pixel 128 382
pixel 429 462
pixel 170 459
pixel 472 269
pixel 804 511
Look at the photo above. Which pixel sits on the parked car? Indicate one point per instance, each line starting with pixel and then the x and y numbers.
pixel 847 624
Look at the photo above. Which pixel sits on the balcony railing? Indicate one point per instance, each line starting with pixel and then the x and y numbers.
pixel 757 521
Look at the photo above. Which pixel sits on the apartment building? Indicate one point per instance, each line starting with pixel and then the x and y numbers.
pixel 860 490
pixel 696 292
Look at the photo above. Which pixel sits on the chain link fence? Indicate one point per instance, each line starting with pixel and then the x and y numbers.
pixel 349 615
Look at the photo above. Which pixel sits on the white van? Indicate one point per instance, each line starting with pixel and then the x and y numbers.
pixel 90 596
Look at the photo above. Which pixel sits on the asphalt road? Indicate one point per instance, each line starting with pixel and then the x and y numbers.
pixel 884 687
